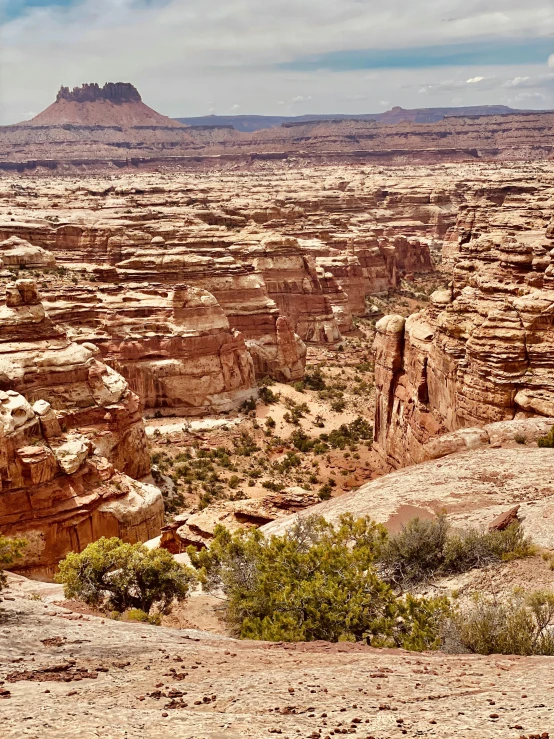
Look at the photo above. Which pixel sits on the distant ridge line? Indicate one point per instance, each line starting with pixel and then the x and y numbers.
pixel 250 123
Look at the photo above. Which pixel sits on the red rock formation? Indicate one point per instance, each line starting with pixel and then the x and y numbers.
pixel 117 104
pixel 173 344
pixel 482 351
pixel 292 281
pixel 116 92
pixel 71 433
pixel 16 252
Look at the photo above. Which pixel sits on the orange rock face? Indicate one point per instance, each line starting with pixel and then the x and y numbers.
pixel 71 441
pixel 482 352
pixel 174 345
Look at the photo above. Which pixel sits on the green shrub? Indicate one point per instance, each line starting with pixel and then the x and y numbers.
pixel 296 411
pixel 245 445
pixel 325 491
pixel 315 380
pixel 114 576
pixel 348 434
pixel 266 382
pixel 10 550
pixel 135 614
pixel 267 395
pixel 548 440
pixel 233 482
pixel 301 441
pixel 276 487
pixel 338 405
pixel 428 548
pixel 520 624
pixel 290 460
pixel 248 405
pixel 316 582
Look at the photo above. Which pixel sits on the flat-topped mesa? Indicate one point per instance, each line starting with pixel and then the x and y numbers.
pixel 72 441
pixel 115 92
pixel 90 121
pixel 174 345
pixel 482 352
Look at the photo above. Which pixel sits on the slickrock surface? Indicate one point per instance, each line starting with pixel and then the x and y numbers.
pixel 71 440
pixel 471 487
pixel 69 675
pixel 482 351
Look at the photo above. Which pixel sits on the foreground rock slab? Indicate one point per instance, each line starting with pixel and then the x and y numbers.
pixel 126 680
pixel 472 488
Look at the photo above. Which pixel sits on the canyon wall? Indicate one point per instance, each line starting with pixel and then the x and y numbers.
pixel 72 441
pixel 482 352
pixel 173 344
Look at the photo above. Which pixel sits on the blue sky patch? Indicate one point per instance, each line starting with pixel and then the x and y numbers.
pixel 495 52
pixel 15 8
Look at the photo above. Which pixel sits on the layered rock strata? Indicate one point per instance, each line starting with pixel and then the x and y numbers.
pixel 72 440
pixel 482 351
pixel 173 345
pixel 309 298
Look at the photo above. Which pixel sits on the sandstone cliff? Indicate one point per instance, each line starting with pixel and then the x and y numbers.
pixel 482 351
pixel 72 440
pixel 173 344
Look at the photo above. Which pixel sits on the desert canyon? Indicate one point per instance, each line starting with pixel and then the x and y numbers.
pixel 187 313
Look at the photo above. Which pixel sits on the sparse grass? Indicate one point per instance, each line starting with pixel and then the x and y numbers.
pixel 520 624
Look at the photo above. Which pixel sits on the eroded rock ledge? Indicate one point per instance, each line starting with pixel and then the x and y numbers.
pixel 482 352
pixel 72 441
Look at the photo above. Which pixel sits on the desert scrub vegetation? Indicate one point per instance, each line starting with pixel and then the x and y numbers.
pixel 547 442
pixel 347 435
pixel 518 624
pixel 318 581
pixel 424 549
pixel 114 576
pixel 10 550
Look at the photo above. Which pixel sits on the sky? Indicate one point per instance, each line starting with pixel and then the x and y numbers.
pixel 280 57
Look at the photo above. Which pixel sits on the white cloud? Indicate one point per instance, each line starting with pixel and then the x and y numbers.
pixel 530 97
pixel 187 56
pixel 541 81
pixel 551 61
pixel 483 83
